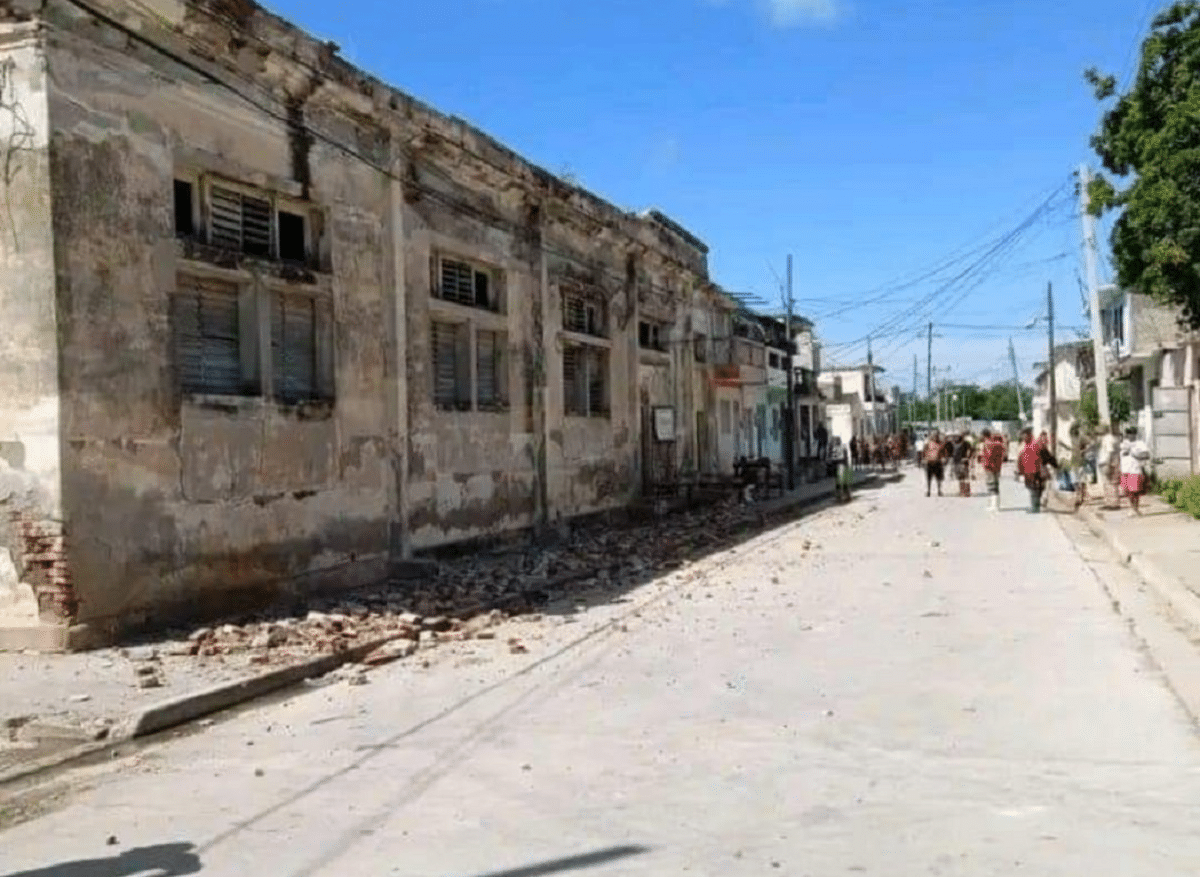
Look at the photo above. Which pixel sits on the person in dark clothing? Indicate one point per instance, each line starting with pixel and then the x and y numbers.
pixel 821 438
pixel 961 451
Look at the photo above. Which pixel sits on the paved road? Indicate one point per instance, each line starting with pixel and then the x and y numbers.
pixel 905 686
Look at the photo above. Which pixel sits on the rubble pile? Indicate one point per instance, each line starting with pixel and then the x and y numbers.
pixel 464 597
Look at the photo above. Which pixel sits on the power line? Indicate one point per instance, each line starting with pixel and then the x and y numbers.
pixel 1006 243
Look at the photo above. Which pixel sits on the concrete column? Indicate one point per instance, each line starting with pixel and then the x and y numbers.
pixel 399 538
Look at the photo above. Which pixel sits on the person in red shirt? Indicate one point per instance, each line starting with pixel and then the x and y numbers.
pixel 991 457
pixel 1032 465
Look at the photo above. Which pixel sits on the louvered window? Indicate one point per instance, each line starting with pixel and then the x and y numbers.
pixel 240 222
pixel 464 284
pixel 583 314
pixel 451 367
pixel 491 392
pixel 294 348
pixel 207 337
pixel 585 381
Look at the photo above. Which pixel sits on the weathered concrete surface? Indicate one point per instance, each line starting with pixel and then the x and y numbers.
pixel 839 696
pixel 35 601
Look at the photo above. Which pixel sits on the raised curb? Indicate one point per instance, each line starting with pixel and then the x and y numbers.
pixel 188 707
pixel 1178 596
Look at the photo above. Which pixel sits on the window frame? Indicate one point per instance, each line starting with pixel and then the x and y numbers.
pixel 592 306
pixel 656 340
pixel 203 184
pixel 595 360
pixel 257 299
pixel 468 398
pixel 493 275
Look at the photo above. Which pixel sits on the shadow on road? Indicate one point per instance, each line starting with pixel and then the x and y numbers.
pixel 163 860
pixel 573 863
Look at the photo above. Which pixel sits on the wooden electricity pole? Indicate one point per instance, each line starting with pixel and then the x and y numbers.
pixel 1051 366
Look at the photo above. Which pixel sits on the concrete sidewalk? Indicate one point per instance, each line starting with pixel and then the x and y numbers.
pixel 1162 545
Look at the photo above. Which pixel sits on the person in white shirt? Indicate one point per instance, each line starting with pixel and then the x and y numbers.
pixel 840 454
pixel 1134 454
pixel 1110 469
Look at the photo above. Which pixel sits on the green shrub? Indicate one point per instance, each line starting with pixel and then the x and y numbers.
pixel 1183 493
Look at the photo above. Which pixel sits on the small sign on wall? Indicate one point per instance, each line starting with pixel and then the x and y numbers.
pixel 664 423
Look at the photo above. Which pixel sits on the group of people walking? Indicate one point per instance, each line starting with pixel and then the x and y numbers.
pixel 1118 465
pixel 883 451
pixel 968 456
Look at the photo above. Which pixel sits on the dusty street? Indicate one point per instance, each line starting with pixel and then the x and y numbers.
pixel 904 686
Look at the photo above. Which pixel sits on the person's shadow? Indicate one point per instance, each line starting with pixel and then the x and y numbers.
pixel 163 860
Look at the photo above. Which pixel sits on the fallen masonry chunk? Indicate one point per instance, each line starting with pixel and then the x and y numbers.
pixel 439 624
pixel 201 634
pixel 150 682
pixel 146 670
pixel 389 652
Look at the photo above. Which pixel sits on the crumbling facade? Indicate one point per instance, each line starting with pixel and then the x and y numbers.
pixel 271 324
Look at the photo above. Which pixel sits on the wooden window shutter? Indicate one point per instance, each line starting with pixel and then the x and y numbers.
pixel 294 348
pixel 207 337
pixel 489 366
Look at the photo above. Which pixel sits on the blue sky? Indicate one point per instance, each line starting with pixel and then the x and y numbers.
pixel 872 139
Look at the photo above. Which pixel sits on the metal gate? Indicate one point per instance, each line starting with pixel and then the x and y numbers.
pixel 1172 431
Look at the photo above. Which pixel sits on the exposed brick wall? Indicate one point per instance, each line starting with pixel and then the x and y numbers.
pixel 41 555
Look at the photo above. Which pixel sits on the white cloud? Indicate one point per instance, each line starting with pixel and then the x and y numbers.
pixel 791 13
pixel 794 13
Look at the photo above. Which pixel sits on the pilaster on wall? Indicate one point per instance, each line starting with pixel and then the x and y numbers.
pixel 399 536
pixel 37 600
pixel 542 335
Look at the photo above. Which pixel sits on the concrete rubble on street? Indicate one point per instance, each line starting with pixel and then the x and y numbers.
pixel 54 701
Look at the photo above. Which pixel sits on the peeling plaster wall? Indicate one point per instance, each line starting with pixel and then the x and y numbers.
pixel 471 473
pixel 181 506
pixel 178 506
pixel 32 592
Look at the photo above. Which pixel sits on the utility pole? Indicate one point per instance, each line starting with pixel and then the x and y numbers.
pixel 871 384
pixel 929 368
pixel 1012 355
pixel 1050 366
pixel 1089 254
pixel 912 409
pixel 789 443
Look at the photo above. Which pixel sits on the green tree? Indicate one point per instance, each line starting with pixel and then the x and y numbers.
pixel 1152 134
pixel 1120 405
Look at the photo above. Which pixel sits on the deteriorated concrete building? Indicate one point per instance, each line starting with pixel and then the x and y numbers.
pixel 269 324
